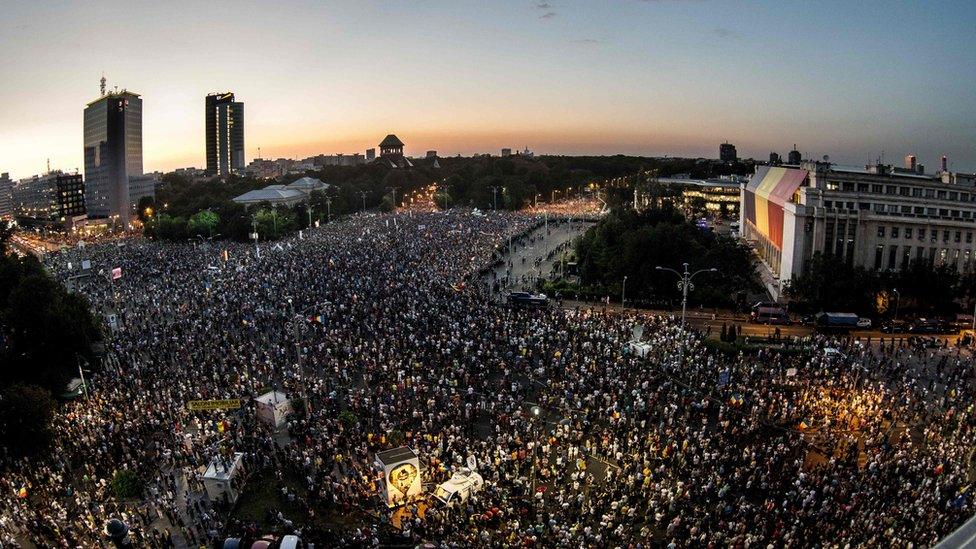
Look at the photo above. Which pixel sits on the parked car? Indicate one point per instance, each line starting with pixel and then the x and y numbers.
pixel 528 300
pixel 928 326
pixel 864 322
pixel 770 315
pixel 894 327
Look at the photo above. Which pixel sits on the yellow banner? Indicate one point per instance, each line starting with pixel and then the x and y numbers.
pixel 198 405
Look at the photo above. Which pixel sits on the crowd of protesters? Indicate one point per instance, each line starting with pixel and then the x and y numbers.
pixel 383 328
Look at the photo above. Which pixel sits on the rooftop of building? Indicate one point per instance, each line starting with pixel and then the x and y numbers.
pixel 391 141
pixel 114 95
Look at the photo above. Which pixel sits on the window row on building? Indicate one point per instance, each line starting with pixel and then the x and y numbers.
pixel 838 206
pixel 922 233
pixel 893 257
pixel 901 190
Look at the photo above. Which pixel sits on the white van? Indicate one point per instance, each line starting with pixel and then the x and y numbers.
pixel 459 488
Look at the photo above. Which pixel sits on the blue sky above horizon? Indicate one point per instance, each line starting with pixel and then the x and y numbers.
pixel 649 77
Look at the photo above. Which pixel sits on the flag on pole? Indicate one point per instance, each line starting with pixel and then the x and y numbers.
pixel 316 319
pixel 116 273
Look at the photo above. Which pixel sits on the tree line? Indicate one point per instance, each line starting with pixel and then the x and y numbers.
pixel 829 283
pixel 47 334
pixel 189 209
pixel 630 244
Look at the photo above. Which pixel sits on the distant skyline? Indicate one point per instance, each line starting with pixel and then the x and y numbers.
pixel 651 77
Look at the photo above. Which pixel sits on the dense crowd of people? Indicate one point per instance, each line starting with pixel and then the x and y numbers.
pixel 385 329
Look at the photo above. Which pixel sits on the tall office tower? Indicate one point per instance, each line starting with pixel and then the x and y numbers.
pixel 727 152
pixel 225 134
pixel 113 153
pixel 6 196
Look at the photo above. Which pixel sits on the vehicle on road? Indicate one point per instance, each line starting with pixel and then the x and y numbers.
pixel 894 327
pixel 929 326
pixel 864 322
pixel 526 299
pixel 771 316
pixel 836 322
pixel 459 487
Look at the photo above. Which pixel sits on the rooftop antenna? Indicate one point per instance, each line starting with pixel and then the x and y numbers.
pixel 48 165
pixel 103 84
pixel 259 152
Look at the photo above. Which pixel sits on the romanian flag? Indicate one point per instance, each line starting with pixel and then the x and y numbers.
pixel 316 319
pixel 225 255
pixel 458 287
pixel 22 493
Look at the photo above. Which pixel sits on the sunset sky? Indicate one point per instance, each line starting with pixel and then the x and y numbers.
pixel 659 77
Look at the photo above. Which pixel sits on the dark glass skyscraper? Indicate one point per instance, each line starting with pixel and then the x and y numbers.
pixel 225 134
pixel 113 153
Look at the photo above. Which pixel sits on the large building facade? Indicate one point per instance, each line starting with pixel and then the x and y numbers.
pixel 6 197
pixel 113 153
pixel 877 217
pixel 225 134
pixel 54 197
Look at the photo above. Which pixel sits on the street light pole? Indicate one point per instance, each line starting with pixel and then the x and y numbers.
pixel 363 193
pixel 298 351
pixel 328 209
pixel 685 285
pixel 494 198
pixel 897 302
pixel 623 295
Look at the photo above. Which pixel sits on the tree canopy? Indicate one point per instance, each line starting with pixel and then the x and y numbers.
pixel 631 244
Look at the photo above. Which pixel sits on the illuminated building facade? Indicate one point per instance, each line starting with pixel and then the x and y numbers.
pixel 224 127
pixel 113 153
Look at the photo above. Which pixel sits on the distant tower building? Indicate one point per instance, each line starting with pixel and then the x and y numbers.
pixel 506 152
pixel 6 196
pixel 431 154
pixel 225 134
pixel 910 162
pixel 370 155
pixel 391 147
pixel 113 153
pixel 391 153
pixel 727 152
pixel 775 159
pixel 920 169
pixel 794 157
pixel 945 164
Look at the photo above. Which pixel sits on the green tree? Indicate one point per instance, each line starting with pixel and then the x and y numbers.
pixel 26 413
pixel 126 484
pixel 273 223
pixel 203 223
pixel 146 208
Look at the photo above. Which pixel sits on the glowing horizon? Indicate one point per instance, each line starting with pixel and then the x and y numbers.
pixel 649 78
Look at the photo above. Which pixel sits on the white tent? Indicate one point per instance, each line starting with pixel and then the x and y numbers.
pixel 272 408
